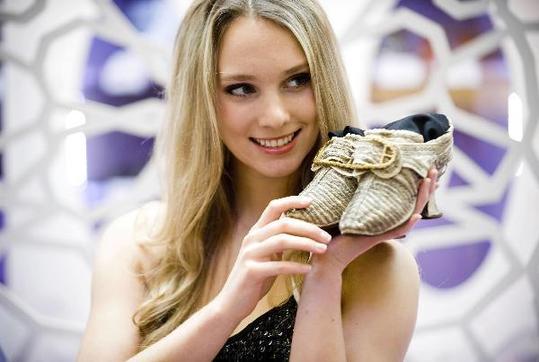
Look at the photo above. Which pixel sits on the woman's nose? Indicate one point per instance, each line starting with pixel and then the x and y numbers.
pixel 274 112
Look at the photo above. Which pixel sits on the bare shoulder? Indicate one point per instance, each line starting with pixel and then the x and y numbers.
pixel 147 220
pixel 380 301
pixel 118 286
pixel 387 259
pixel 128 237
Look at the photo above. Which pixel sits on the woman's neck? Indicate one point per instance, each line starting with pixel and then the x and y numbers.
pixel 254 191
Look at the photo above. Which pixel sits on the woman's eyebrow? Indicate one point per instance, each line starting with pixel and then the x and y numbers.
pixel 242 77
pixel 296 68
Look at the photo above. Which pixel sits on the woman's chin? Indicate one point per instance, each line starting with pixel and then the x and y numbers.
pixel 274 169
pixel 279 171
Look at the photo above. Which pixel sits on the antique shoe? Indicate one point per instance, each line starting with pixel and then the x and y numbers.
pixel 333 184
pixel 430 126
pixel 389 165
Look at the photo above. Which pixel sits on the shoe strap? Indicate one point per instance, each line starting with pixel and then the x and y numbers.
pixel 388 156
pixel 383 156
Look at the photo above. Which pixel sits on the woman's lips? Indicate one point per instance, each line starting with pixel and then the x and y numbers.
pixel 274 142
pixel 266 145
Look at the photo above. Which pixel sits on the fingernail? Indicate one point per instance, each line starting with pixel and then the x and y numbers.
pixel 306 199
pixel 321 247
pixel 326 236
pixel 401 237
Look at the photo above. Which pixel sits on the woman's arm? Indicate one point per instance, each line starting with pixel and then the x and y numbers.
pixel 379 305
pixel 110 334
pixel 116 294
pixel 318 330
pixel 380 297
pixel 380 301
pixel 199 338
pixel 117 291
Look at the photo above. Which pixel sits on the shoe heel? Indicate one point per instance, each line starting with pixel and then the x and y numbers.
pixel 431 211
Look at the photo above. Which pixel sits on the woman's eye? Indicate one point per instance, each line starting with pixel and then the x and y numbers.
pixel 299 80
pixel 240 90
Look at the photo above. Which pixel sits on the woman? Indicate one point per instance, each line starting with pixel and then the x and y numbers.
pixel 256 86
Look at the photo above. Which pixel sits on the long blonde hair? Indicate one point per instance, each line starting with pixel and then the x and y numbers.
pixel 197 186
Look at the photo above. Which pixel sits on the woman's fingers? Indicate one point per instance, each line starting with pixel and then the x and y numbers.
pixel 276 207
pixel 434 180
pixel 427 187
pixel 291 226
pixel 423 195
pixel 273 268
pixel 281 242
pixel 400 231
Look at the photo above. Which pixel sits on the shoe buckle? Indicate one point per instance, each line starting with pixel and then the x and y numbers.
pixel 388 156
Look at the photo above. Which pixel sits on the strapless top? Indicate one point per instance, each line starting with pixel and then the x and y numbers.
pixel 267 338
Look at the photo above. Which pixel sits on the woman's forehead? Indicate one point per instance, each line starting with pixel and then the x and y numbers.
pixel 253 45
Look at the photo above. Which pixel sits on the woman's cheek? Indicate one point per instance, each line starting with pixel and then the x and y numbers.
pixel 306 107
pixel 232 118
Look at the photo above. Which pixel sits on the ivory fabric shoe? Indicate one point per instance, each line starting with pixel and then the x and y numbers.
pixel 333 184
pixel 389 164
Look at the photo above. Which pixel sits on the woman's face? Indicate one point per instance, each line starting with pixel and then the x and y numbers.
pixel 266 107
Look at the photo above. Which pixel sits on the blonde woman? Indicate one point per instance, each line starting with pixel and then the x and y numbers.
pixel 256 86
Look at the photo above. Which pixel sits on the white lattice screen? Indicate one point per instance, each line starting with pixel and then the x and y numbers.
pixel 52 215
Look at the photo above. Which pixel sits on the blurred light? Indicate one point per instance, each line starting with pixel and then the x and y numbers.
pixel 75 150
pixel 400 71
pixel 124 74
pixel 515 118
pixel 75 119
pixel 465 75
pixel 520 169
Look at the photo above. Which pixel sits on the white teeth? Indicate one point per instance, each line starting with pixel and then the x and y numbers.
pixel 274 143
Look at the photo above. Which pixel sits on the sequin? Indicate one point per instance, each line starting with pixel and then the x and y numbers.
pixel 267 338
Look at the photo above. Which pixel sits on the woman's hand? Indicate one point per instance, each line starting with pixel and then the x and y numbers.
pixel 343 249
pixel 259 259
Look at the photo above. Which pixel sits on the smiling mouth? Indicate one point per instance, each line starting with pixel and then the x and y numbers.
pixel 275 142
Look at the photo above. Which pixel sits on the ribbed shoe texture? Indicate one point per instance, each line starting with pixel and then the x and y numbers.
pixel 386 197
pixel 367 182
pixel 330 190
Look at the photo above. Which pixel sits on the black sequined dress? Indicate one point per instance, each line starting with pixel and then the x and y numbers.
pixel 267 338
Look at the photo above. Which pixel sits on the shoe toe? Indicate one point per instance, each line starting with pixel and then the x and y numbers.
pixel 330 193
pixel 380 205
